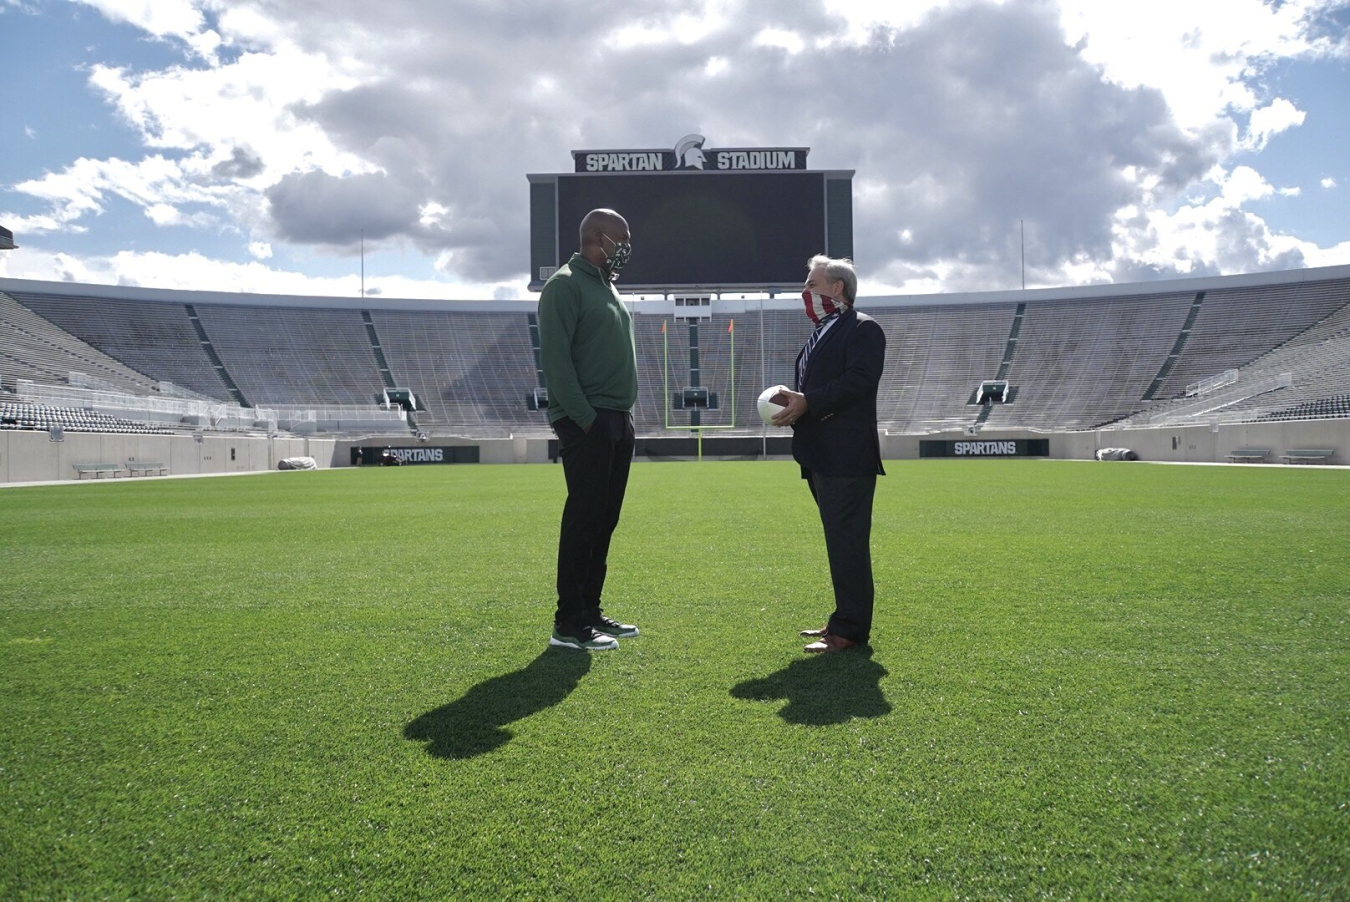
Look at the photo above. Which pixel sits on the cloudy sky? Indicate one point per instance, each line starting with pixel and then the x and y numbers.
pixel 244 144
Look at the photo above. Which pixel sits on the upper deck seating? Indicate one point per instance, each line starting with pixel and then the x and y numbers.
pixel 156 339
pixel 32 347
pixel 1076 362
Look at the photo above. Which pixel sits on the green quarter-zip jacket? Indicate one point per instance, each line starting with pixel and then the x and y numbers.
pixel 586 344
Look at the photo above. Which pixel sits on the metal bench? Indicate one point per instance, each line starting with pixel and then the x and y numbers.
pixel 83 470
pixel 145 468
pixel 1308 455
pixel 1249 455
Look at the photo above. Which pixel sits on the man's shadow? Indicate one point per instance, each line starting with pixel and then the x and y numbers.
pixel 476 722
pixel 823 689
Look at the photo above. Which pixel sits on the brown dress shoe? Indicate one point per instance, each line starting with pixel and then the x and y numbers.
pixel 823 631
pixel 828 643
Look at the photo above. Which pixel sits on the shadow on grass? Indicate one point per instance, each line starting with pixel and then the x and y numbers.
pixel 823 689
pixel 475 723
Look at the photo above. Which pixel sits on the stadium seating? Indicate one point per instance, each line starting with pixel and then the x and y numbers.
pixel 1081 363
pixel 150 338
pixel 935 358
pixel 1301 378
pixel 32 347
pixel 1237 325
pixel 1324 408
pixel 18 415
pixel 470 372
pixel 1071 361
pixel 290 356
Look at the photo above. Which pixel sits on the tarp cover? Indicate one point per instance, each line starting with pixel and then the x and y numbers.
pixel 1116 454
pixel 297 463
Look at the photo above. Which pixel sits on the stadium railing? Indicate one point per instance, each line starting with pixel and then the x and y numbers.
pixel 1205 386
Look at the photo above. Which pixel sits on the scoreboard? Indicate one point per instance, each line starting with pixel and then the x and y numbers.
pixel 720 223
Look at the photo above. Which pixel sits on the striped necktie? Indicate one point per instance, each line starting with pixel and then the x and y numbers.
pixel 810 346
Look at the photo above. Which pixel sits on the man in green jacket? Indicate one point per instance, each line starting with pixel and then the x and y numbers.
pixel 589 360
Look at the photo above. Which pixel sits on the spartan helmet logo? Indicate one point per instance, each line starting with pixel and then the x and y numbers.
pixel 689 152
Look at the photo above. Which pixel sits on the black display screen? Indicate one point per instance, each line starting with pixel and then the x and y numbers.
pixel 704 228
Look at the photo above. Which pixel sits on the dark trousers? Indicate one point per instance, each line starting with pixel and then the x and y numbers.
pixel 596 465
pixel 845 504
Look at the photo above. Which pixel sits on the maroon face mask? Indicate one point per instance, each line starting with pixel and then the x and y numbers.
pixel 819 306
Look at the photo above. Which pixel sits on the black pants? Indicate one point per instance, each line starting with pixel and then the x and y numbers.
pixel 596 465
pixel 845 504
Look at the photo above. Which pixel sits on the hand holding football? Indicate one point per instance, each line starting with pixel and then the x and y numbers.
pixel 769 403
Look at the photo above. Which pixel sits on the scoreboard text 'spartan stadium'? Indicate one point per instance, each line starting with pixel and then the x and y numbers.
pixel 702 220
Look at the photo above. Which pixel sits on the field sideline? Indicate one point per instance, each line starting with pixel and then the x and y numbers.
pixel 1088 680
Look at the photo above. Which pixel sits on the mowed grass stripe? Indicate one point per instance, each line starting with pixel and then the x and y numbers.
pixel 1088 679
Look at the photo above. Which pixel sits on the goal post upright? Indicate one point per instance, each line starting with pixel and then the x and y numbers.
pixel 665 388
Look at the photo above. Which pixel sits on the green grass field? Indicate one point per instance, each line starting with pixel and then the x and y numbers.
pixel 1088 680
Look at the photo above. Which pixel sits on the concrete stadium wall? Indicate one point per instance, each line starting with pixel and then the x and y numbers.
pixel 514 450
pixel 27 456
pixel 1206 444
pixel 1190 444
pixel 1194 444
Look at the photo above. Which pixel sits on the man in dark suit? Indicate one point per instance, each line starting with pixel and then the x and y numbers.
pixel 833 415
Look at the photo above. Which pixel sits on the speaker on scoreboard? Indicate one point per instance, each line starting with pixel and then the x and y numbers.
pixel 545 249
pixel 839 216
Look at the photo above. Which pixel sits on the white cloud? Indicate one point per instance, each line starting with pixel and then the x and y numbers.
pixel 1214 236
pixel 863 16
pixel 250 27
pixel 156 184
pixel 195 271
pixel 1199 58
pixel 1240 186
pixel 28 263
pixel 166 215
pixel 684 26
pixel 163 214
pixel 206 45
pixel 1109 128
pixel 432 214
pixel 1336 255
pixel 38 224
pixel 1279 115
pixel 161 18
pixel 202 112
pixel 186 108
pixel 780 38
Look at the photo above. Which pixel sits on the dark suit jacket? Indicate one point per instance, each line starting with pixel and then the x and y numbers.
pixel 838 434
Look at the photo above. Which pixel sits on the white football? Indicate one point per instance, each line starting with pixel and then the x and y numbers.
pixel 767 409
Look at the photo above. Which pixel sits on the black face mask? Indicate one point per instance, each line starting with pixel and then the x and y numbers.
pixel 616 261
